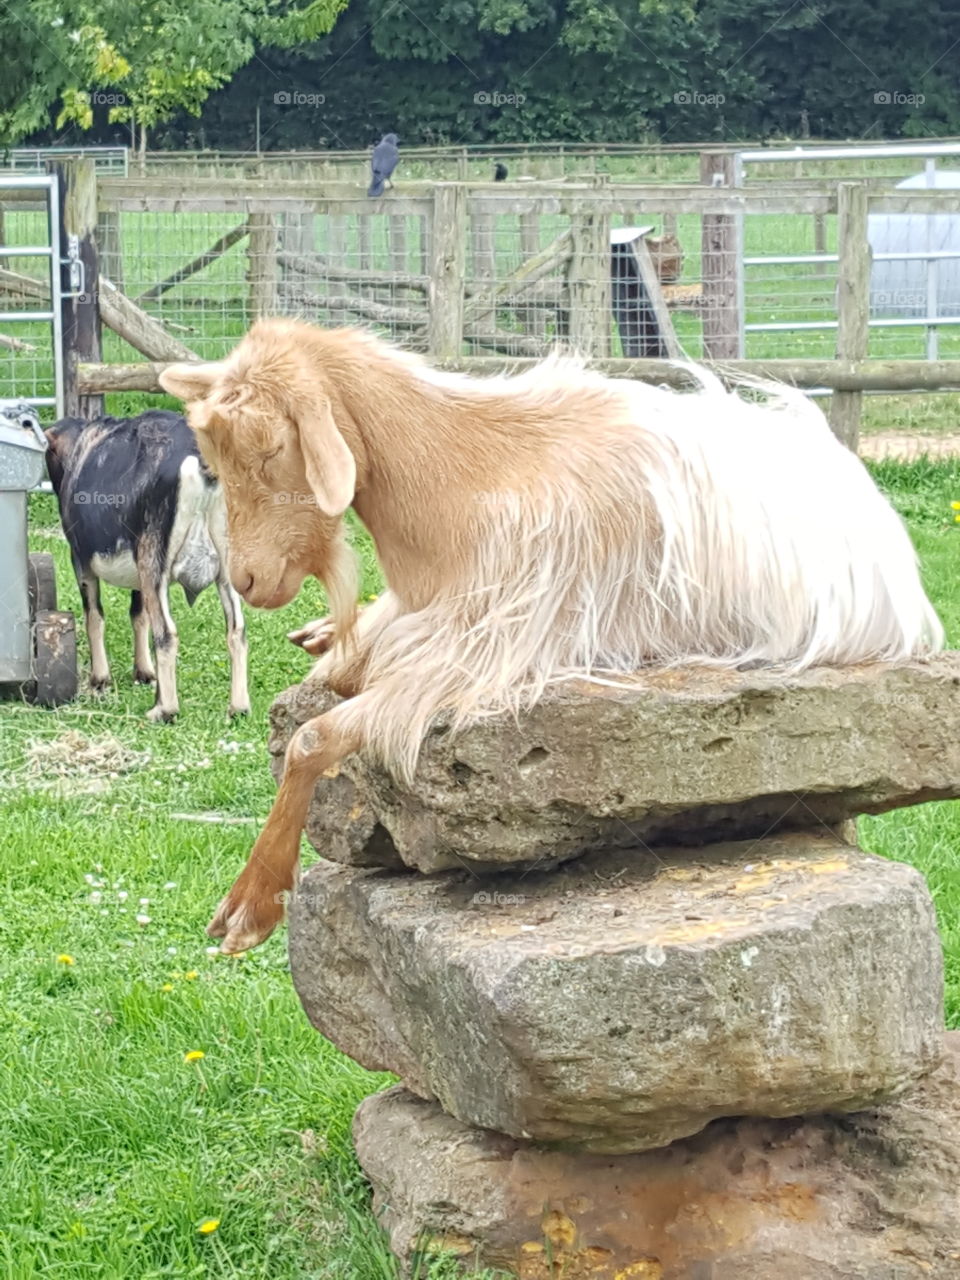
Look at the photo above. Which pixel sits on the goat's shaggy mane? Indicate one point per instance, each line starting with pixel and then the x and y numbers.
pixel 654 527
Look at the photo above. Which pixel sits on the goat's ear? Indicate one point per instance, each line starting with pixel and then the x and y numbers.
pixel 331 471
pixel 191 381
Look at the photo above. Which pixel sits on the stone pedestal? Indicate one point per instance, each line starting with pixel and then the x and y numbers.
pixel 681 757
pixel 655 1017
pixel 871 1196
pixel 628 998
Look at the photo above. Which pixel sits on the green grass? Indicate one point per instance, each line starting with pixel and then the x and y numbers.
pixel 115 1149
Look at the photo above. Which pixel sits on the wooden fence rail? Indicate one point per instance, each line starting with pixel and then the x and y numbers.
pixel 442 292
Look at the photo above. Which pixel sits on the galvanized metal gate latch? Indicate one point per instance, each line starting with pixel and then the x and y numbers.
pixel 77 269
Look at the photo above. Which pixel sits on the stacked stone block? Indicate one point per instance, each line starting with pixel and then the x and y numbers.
pixel 633 975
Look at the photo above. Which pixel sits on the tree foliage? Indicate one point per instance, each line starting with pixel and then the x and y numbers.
pixel 145 62
pixel 525 70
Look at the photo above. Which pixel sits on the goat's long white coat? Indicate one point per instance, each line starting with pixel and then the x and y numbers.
pixel 667 528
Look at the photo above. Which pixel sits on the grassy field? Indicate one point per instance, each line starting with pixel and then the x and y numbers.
pixel 117 839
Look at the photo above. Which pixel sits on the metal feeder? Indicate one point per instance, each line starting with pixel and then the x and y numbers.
pixel 38 643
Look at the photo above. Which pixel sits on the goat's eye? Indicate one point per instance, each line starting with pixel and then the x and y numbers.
pixel 267 457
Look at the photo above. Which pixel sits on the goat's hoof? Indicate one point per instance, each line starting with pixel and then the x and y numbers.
pixel 315 638
pixel 243 923
pixel 242 710
pixel 100 684
pixel 143 677
pixel 162 715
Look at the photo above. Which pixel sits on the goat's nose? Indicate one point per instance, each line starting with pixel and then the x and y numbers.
pixel 242 580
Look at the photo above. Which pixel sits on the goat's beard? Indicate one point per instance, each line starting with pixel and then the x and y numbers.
pixel 340 582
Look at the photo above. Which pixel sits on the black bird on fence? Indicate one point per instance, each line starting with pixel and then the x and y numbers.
pixel 500 172
pixel 382 163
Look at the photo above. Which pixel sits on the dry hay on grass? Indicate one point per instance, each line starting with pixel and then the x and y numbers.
pixel 908 446
pixel 75 763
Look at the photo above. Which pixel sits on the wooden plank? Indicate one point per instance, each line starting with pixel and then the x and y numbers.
pixel 536 320
pixel 383 313
pixel 845 375
pixel 262 264
pixel 110 246
pixel 142 331
pixel 721 265
pixel 483 258
pixel 21 286
pixel 629 201
pixel 853 304
pixel 588 284
pixel 79 310
pixel 216 250
pixel 552 258
pixel 658 304
pixel 327 267
pixel 448 237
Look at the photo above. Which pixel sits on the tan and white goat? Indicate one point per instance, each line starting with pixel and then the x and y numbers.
pixel 534 528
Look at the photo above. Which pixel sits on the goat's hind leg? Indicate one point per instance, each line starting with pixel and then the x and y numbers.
pixel 143 668
pixel 254 906
pixel 155 586
pixel 93 618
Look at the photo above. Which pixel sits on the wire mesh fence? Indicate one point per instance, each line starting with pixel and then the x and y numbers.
pixel 462 269
pixel 27 333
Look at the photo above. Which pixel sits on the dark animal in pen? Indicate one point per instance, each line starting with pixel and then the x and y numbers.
pixel 140 511
pixel 640 335
pixel 382 163
pixel 500 172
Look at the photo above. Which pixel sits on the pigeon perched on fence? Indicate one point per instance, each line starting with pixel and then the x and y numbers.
pixel 382 163
pixel 500 172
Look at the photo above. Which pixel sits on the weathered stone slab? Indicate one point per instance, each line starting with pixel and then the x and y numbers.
pixel 873 1196
pixel 687 755
pixel 627 999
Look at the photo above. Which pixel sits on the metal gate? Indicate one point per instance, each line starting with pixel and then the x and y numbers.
pixel 31 242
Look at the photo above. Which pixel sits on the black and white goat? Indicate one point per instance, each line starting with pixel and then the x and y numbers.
pixel 140 510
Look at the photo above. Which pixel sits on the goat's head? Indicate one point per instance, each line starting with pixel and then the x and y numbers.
pixel 265 426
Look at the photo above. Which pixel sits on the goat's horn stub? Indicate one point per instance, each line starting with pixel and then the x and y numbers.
pixel 191 381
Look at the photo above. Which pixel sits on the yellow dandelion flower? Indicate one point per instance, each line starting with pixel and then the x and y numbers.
pixel 194 1055
pixel 191 974
pixel 167 986
pixel 63 958
pixel 955 505
pixel 208 1226
pixel 956 520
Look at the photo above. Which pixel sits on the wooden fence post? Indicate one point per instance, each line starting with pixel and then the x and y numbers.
pixel 853 303
pixel 79 309
pixel 364 255
pixel 536 321
pixel 397 240
pixel 448 238
pixel 721 264
pixel 588 281
pixel 483 258
pixel 262 264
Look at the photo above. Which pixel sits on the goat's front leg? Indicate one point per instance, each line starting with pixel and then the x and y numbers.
pixel 154 587
pixel 233 613
pixel 345 669
pixel 254 906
